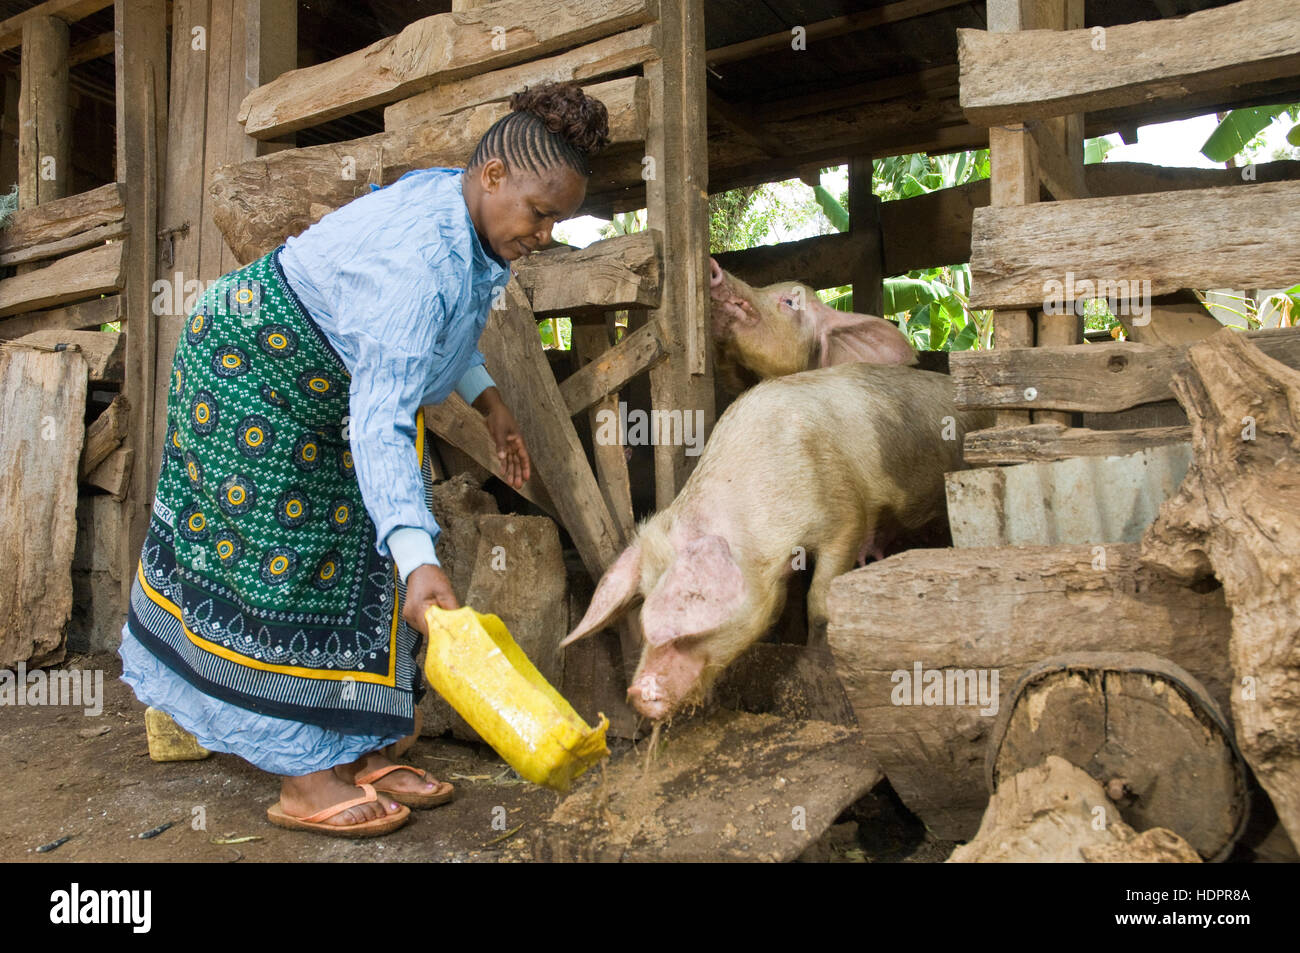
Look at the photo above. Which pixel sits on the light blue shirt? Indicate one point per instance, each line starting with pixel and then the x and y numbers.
pixel 401 287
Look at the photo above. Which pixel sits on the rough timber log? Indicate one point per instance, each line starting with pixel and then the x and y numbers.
pixel 1237 516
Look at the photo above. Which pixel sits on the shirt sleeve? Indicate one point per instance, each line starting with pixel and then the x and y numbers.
pixel 475 380
pixel 385 393
pixel 411 548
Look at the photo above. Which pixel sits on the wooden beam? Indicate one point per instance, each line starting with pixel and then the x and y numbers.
pixel 1144 62
pixel 1043 443
pixel 677 205
pixel 621 272
pixel 114 475
pixel 437 49
pixel 45 125
pixel 614 54
pixel 92 49
pixel 83 275
pixel 70 11
pixel 258 203
pixel 74 243
pixel 591 342
pixel 1100 378
pixel 836 26
pixel 1019 256
pixel 104 351
pixel 62 218
pixel 141 29
pixel 88 315
pixel 607 373
pixel 104 435
pixel 514 357
pixel 867 236
pixel 462 426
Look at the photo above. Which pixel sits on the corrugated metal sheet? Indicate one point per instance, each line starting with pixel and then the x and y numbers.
pixel 1081 500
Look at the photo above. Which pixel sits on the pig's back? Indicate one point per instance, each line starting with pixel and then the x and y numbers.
pixel 866 429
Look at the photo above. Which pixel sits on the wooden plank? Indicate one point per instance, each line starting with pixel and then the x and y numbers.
pixel 614 54
pixel 437 49
pixel 141 28
pixel 823 261
pixel 1012 607
pixel 258 203
pixel 866 233
pixel 462 426
pixel 70 11
pixel 104 435
pixel 1015 252
pixel 88 315
pixel 42 403
pixel 114 475
pixel 62 218
pixel 180 215
pixel 220 123
pixel 1143 62
pixel 621 272
pixel 836 26
pixel 603 376
pixel 103 351
pixel 1040 443
pixel 45 125
pixel 1092 377
pixel 931 229
pixel 591 342
pixel 74 243
pixel 677 205
pixel 83 275
pixel 92 49
pixel 513 353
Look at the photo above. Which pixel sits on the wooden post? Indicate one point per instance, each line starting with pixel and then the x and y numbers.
pixel 1066 137
pixel 590 341
pixel 44 153
pixel 676 173
pixel 9 134
pixel 1013 161
pixel 141 29
pixel 868 242
pixel 206 92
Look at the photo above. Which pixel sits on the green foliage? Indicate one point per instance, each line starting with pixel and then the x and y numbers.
pixel 1241 130
pixel 1094 150
pixel 557 333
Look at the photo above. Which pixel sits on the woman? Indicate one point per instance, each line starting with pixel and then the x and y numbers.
pixel 292 511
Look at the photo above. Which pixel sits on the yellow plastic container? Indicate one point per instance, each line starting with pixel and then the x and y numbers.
pixel 476 666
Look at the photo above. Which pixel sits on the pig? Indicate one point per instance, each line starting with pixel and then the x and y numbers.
pixel 829 463
pixel 785 328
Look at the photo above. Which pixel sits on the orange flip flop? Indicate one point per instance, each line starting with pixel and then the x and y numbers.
pixel 440 795
pixel 312 822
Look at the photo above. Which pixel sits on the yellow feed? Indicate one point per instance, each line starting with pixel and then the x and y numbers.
pixel 476 666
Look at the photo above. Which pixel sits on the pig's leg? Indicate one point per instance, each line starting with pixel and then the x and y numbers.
pixel 833 560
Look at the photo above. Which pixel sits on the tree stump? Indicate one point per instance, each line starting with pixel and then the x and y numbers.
pixel 1055 812
pixel 1142 728
pixel 1237 515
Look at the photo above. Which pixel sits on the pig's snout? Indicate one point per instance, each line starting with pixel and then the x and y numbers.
pixel 668 675
pixel 715 273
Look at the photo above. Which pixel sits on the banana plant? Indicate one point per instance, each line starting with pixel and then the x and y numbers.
pixel 1239 128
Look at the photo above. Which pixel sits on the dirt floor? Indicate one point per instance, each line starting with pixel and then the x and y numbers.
pixel 90 779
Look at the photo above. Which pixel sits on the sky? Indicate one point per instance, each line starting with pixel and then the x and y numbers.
pixel 1175 144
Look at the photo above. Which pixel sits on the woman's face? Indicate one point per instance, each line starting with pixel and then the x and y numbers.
pixel 519 209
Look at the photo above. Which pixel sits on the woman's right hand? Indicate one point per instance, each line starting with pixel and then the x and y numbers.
pixel 426 586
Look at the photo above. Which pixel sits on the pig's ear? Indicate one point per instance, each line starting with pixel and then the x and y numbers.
pixel 845 337
pixel 701 589
pixel 620 585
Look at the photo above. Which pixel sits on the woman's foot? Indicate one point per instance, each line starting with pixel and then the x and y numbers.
pixel 305 795
pixel 402 782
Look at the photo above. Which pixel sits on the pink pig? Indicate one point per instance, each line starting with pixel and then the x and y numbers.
pixel 828 464
pixel 785 328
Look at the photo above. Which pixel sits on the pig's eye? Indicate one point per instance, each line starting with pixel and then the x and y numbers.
pixel 787 301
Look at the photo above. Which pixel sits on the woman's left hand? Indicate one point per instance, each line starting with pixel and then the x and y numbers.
pixel 511 451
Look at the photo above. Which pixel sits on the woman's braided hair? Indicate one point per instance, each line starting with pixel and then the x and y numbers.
pixel 549 125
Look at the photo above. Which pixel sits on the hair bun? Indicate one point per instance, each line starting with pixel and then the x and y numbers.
pixel 566 110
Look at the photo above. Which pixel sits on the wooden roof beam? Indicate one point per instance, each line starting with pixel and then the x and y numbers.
pixel 70 11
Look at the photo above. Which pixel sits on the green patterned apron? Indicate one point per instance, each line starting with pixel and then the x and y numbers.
pixel 259 581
